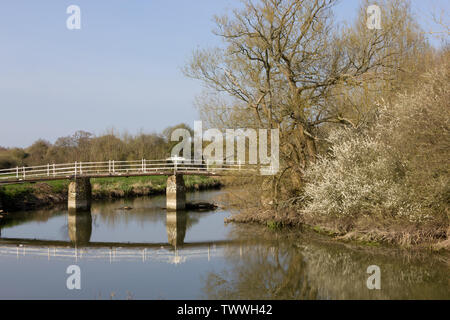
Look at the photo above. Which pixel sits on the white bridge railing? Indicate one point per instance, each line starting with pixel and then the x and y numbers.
pixel 119 168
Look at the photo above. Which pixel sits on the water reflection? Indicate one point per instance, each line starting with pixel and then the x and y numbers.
pixel 176 224
pixel 275 266
pixel 193 254
pixel 79 227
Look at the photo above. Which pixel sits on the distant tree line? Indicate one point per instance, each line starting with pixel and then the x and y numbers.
pixel 85 146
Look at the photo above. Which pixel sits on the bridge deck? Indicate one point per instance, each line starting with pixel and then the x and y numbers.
pixel 117 175
pixel 109 169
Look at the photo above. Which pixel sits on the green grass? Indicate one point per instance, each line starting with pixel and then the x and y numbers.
pixel 26 188
pixel 157 183
pixel 154 180
pixel 274 225
pixel 322 231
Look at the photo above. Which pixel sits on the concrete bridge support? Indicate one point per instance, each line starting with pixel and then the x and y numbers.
pixel 176 193
pixel 80 194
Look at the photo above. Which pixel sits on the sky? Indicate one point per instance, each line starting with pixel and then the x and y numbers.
pixel 121 70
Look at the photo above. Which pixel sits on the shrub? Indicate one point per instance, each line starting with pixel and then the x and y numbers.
pixel 396 167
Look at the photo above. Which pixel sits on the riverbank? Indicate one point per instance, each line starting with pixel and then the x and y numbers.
pixel 364 230
pixel 39 195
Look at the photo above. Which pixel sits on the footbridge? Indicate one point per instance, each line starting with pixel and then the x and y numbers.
pixel 80 173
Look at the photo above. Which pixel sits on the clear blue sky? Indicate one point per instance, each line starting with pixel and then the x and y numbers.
pixel 121 70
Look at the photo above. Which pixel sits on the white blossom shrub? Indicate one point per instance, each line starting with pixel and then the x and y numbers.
pixel 398 167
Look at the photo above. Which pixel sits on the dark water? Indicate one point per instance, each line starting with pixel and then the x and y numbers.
pixel 144 253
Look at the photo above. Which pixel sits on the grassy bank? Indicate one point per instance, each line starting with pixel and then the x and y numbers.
pixel 30 196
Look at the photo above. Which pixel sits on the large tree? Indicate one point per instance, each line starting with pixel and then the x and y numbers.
pixel 285 64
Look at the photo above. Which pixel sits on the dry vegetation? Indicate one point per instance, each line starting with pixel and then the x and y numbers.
pixel 395 170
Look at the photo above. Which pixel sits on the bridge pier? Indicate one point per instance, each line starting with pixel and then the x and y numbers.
pixel 176 193
pixel 80 194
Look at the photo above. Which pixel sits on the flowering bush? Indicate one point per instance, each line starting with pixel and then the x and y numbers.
pixel 396 167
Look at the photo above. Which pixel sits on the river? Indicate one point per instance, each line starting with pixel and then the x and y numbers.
pixel 143 253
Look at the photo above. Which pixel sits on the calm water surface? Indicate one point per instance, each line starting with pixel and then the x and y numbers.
pixel 145 253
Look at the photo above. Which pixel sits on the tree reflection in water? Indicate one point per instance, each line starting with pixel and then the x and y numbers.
pixel 304 266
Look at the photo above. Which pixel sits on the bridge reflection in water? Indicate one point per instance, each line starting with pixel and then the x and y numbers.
pixel 176 227
pixel 80 227
pixel 80 246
